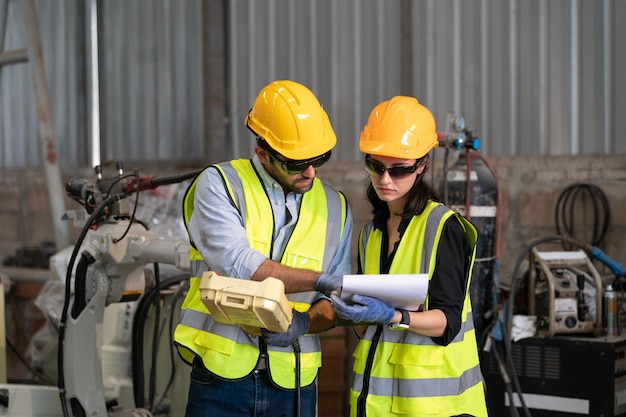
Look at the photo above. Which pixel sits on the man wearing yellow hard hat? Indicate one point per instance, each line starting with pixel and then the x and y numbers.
pixel 268 216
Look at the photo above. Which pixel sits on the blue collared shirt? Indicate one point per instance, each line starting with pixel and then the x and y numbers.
pixel 218 231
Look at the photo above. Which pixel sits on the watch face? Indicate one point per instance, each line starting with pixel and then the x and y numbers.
pixel 398 326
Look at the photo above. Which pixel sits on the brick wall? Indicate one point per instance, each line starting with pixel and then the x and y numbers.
pixel 529 187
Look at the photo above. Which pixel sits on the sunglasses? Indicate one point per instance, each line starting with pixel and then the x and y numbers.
pixel 375 167
pixel 293 167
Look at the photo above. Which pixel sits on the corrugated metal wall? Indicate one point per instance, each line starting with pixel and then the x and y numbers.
pixel 543 77
pixel 151 79
pixel 19 137
pixel 150 73
pixel 533 77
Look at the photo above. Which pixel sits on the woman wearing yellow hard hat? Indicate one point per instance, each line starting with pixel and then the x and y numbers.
pixel 412 363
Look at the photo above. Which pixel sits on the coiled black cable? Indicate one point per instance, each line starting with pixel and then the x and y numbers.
pixel 573 203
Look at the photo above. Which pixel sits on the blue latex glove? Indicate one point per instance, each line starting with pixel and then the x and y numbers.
pixel 300 323
pixel 327 283
pixel 363 310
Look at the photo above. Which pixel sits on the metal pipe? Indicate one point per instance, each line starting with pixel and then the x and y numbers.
pixel 13 57
pixel 56 191
pixel 94 84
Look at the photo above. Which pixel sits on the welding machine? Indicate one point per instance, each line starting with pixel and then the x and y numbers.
pixel 565 293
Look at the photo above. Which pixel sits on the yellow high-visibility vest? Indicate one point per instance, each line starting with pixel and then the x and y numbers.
pixel 412 375
pixel 225 349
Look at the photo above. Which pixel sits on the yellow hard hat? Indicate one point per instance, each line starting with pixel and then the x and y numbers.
pixel 288 116
pixel 399 128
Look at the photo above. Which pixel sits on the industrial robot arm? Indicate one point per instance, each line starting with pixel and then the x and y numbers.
pixel 110 270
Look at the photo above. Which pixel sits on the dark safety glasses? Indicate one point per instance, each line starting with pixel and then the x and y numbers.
pixel 292 166
pixel 375 167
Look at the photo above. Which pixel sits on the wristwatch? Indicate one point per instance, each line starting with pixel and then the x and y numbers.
pixel 404 321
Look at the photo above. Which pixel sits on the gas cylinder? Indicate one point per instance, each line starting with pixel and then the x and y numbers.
pixel 470 188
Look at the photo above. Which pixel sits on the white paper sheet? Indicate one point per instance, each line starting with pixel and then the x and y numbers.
pixel 405 291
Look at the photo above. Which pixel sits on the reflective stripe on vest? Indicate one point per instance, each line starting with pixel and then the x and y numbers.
pixel 226 350
pixel 413 375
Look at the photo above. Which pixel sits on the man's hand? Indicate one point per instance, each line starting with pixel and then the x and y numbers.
pixel 327 283
pixel 364 310
pixel 300 323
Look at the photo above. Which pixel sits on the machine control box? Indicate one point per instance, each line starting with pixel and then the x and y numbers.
pixel 251 305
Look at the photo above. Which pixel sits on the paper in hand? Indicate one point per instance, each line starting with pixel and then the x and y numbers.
pixel 404 291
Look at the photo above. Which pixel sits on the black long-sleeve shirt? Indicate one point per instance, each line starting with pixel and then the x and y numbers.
pixel 447 287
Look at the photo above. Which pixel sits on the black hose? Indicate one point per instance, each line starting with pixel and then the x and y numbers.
pixel 157 182
pixel 513 375
pixel 173 305
pixel 509 307
pixel 568 203
pixel 502 367
pixel 137 338
pixel 155 337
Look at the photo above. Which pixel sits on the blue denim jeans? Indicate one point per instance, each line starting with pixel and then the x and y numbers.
pixel 252 396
